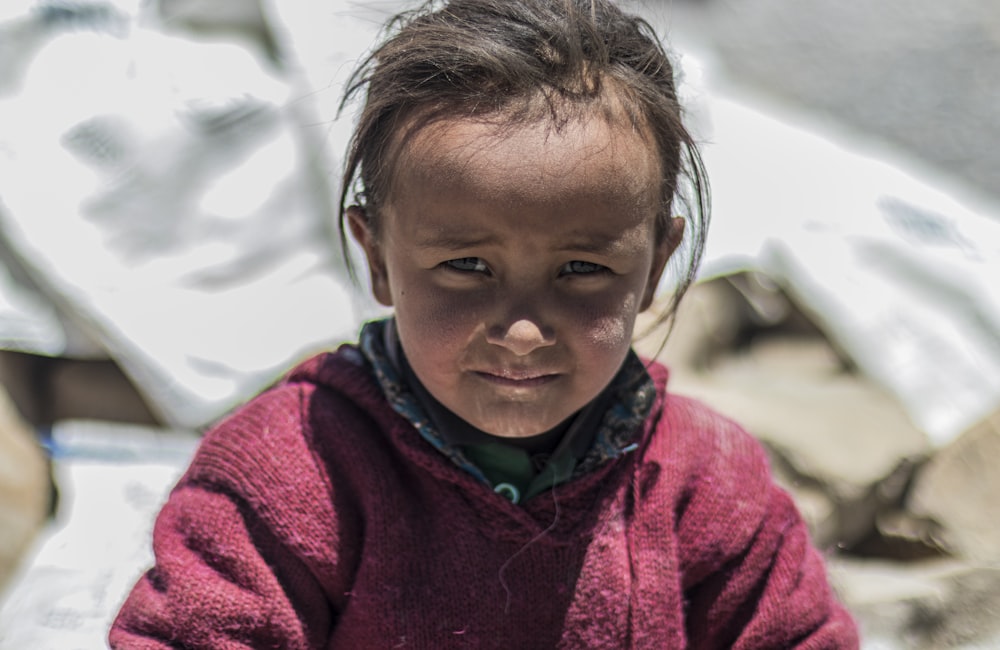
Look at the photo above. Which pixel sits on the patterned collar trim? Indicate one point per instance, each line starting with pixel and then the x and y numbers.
pixel 632 392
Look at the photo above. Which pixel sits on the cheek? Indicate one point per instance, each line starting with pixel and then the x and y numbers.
pixel 606 322
pixel 433 325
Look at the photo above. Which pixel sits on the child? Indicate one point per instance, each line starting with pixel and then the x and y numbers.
pixel 494 467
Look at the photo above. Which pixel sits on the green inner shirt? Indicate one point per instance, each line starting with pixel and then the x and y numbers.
pixel 505 464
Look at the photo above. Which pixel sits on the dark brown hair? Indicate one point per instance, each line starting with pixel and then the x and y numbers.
pixel 496 59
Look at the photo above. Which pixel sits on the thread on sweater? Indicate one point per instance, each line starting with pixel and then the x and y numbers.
pixel 533 540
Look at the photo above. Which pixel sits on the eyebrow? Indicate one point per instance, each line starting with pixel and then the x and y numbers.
pixel 592 243
pixel 452 241
pixel 580 242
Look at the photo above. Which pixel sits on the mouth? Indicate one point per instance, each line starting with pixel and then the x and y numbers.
pixel 517 378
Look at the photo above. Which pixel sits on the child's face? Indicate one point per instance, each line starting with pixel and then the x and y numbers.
pixel 516 264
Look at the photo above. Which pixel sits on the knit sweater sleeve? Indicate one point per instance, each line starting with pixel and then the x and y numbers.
pixel 246 547
pixel 751 576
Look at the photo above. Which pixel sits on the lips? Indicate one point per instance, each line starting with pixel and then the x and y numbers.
pixel 518 378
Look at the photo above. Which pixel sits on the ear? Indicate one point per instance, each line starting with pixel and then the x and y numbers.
pixel 664 250
pixel 362 231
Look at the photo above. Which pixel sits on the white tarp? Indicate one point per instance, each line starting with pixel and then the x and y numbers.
pixel 160 193
pixel 900 275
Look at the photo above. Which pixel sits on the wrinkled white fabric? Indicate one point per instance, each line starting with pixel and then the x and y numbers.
pixel 161 194
pixel 898 273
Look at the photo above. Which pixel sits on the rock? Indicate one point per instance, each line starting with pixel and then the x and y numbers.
pixel 706 325
pixel 939 605
pixel 901 535
pixel 25 489
pixel 791 395
pixel 959 490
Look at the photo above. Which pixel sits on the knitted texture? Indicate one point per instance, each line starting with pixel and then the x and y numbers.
pixel 318 517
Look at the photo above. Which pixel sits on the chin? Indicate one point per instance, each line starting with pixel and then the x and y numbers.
pixel 515 433
pixel 515 419
pixel 515 428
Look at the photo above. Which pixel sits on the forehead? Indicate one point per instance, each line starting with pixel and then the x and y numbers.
pixel 590 157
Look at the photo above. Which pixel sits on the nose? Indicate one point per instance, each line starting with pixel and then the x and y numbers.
pixel 522 337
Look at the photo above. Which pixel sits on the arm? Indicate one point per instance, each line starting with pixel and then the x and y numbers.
pixel 751 577
pixel 249 545
pixel 221 581
pixel 772 594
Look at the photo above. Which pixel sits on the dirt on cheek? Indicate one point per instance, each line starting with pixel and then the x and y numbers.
pixel 610 332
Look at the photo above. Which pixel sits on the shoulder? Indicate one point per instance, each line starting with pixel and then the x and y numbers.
pixel 709 456
pixel 698 441
pixel 747 565
pixel 281 436
pixel 714 476
pixel 708 441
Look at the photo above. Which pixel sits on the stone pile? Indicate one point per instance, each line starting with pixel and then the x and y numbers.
pixel 911 533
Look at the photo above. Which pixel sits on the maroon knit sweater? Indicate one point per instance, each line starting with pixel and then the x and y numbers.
pixel 317 517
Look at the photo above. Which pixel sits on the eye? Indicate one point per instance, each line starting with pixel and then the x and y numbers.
pixel 467 265
pixel 579 267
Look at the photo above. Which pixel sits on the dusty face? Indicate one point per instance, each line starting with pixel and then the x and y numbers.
pixel 516 264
